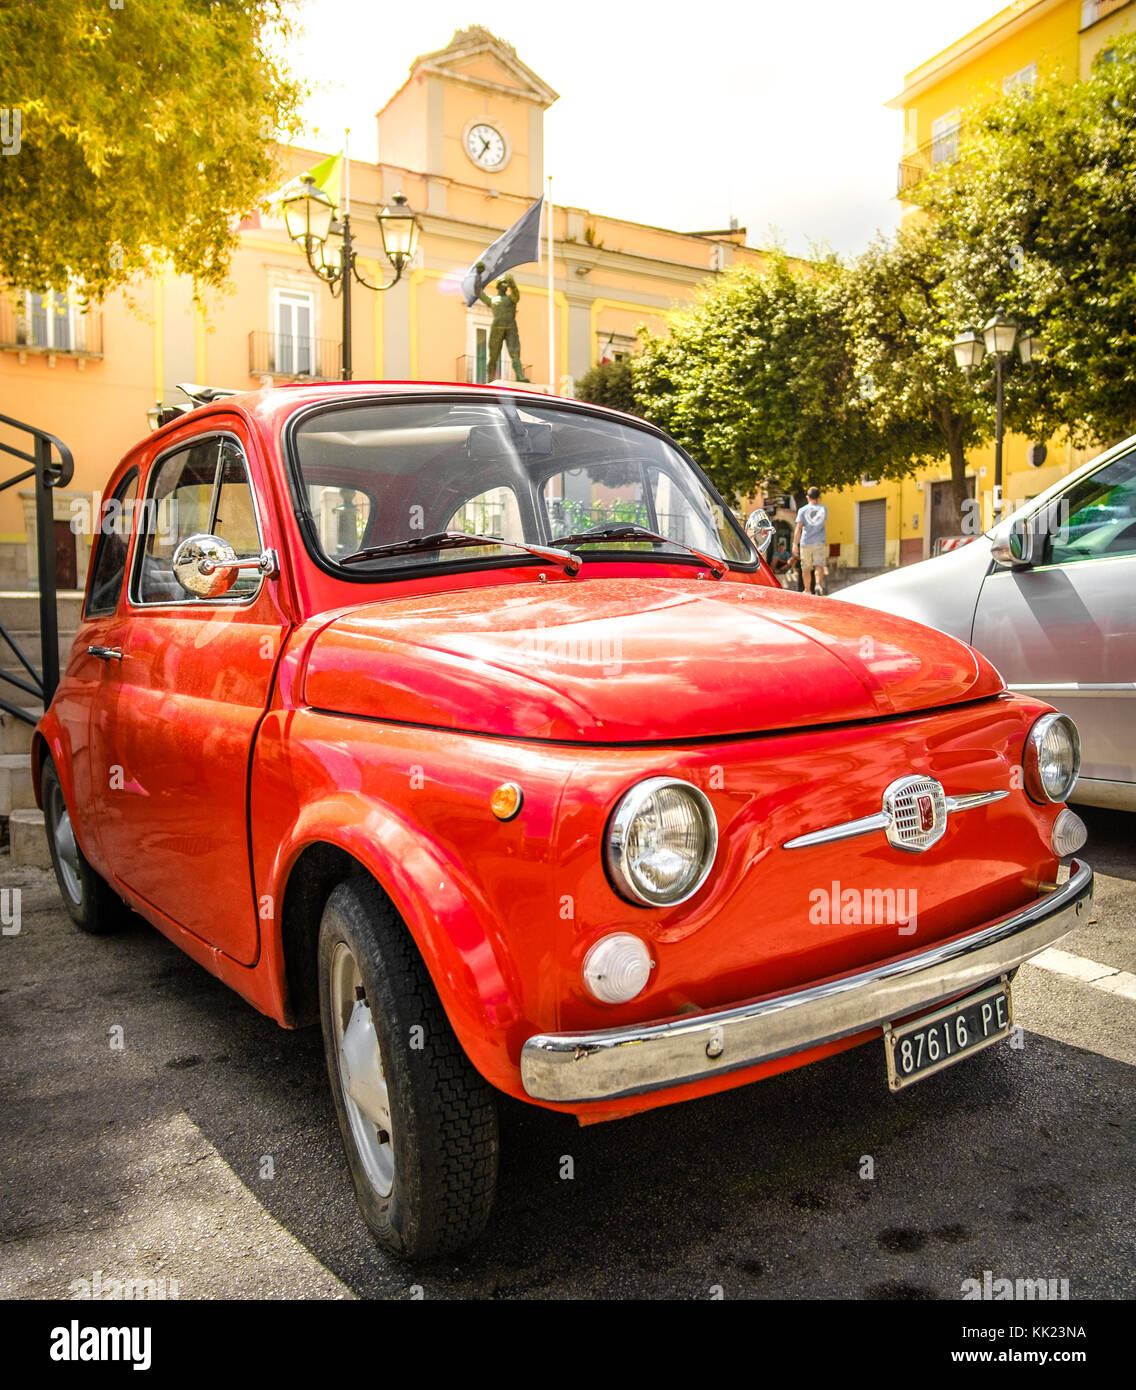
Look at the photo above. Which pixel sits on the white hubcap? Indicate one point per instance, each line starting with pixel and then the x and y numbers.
pixel 361 1077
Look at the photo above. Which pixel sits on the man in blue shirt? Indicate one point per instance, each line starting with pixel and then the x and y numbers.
pixel 809 541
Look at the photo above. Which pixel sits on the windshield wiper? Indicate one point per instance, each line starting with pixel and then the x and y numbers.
pixel 625 530
pixel 453 540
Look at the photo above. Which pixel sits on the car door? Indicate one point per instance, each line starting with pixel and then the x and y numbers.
pixel 1065 629
pixel 173 724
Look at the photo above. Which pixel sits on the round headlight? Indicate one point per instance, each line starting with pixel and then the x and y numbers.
pixel 661 842
pixel 617 967
pixel 1052 758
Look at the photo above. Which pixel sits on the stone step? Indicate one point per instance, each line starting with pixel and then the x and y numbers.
pixel 15 735
pixel 19 609
pixel 27 840
pixel 15 783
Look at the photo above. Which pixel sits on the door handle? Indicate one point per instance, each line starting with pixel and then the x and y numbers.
pixel 106 653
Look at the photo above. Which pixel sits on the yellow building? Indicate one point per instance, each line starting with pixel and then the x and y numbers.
pixel 1030 40
pixel 462 139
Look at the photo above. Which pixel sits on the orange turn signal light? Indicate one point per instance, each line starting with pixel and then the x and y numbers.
pixel 506 801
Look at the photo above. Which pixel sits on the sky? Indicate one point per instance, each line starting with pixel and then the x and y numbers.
pixel 678 115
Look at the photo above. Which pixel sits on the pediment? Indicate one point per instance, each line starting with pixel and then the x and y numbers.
pixel 477 58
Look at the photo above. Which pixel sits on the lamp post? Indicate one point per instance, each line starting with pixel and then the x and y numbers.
pixel 997 339
pixel 309 216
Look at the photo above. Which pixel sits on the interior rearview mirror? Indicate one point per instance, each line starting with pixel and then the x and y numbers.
pixel 532 440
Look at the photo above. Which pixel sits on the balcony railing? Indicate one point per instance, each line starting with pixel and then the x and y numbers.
pixel 1092 10
pixel 473 370
pixel 912 167
pixel 299 359
pixel 62 331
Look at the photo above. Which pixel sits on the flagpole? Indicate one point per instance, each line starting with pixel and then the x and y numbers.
pixel 551 298
pixel 347 257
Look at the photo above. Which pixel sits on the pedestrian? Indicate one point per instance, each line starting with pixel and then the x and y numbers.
pixel 780 562
pixel 810 543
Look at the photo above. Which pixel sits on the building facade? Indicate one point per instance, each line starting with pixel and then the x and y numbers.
pixel 463 140
pixel 881 524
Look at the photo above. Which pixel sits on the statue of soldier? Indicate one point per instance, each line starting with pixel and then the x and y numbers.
pixel 504 326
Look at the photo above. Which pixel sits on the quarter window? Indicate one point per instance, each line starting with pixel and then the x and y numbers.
pixel 202 489
pixel 112 542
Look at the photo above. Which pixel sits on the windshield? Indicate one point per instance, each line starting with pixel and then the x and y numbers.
pixel 375 475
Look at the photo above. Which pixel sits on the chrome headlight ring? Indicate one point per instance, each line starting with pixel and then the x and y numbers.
pixel 624 854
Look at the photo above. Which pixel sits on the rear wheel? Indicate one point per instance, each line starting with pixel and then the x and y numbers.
pixel 419 1124
pixel 90 901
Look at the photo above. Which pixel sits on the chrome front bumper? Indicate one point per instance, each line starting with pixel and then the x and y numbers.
pixel 570 1067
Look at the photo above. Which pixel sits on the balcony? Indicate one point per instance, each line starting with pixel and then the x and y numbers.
pixel 293 359
pixel 53 331
pixel 1092 10
pixel 912 167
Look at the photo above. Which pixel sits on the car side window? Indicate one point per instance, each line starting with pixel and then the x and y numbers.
pixel 201 489
pixel 108 568
pixel 1095 519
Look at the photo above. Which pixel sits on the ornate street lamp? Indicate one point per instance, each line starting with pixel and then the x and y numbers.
pixel 999 335
pixel 309 217
pixel 1031 346
pixel 969 350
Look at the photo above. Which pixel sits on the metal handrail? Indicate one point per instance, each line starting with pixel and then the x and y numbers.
pixel 49 473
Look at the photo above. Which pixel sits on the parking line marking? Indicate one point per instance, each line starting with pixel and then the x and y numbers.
pixel 1088 972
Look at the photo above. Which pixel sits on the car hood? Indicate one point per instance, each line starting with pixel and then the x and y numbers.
pixel 625 661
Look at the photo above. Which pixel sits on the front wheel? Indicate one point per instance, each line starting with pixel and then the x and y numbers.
pixel 91 903
pixel 419 1124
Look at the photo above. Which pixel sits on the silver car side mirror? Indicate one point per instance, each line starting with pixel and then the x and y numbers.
pixel 759 529
pixel 1016 545
pixel 207 566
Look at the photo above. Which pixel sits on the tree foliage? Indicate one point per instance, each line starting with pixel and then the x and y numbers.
pixel 609 384
pixel 1039 214
pixel 902 325
pixel 757 381
pixel 144 134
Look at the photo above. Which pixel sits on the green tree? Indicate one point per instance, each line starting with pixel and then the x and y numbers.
pixel 609 384
pixel 757 380
pixel 1038 214
pixel 902 330
pixel 144 134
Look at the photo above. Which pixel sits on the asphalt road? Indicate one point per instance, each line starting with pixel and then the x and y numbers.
pixel 204 1150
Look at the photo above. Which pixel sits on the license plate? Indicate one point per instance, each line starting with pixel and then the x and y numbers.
pixel 925 1045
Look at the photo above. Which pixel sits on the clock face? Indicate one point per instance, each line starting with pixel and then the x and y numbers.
pixel 485 146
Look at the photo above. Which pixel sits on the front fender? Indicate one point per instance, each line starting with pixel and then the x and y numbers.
pixel 452 925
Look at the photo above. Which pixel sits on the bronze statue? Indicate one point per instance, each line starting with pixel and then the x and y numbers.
pixel 504 326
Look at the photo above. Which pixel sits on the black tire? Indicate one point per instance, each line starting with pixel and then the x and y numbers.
pixel 90 901
pixel 442 1142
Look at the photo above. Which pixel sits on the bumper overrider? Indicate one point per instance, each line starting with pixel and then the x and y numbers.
pixel 612 1062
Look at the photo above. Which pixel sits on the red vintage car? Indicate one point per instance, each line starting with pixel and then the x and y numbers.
pixel 470 723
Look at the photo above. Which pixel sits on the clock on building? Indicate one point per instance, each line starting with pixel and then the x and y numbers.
pixel 485 145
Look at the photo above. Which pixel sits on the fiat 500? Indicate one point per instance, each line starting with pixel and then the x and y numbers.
pixel 470 723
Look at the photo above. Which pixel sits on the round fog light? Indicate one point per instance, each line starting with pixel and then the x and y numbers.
pixel 617 967
pixel 1068 834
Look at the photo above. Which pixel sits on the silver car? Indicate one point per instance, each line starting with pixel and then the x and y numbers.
pixel 1049 595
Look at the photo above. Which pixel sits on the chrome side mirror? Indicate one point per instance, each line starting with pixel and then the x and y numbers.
pixel 207 566
pixel 759 529
pixel 1016 545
